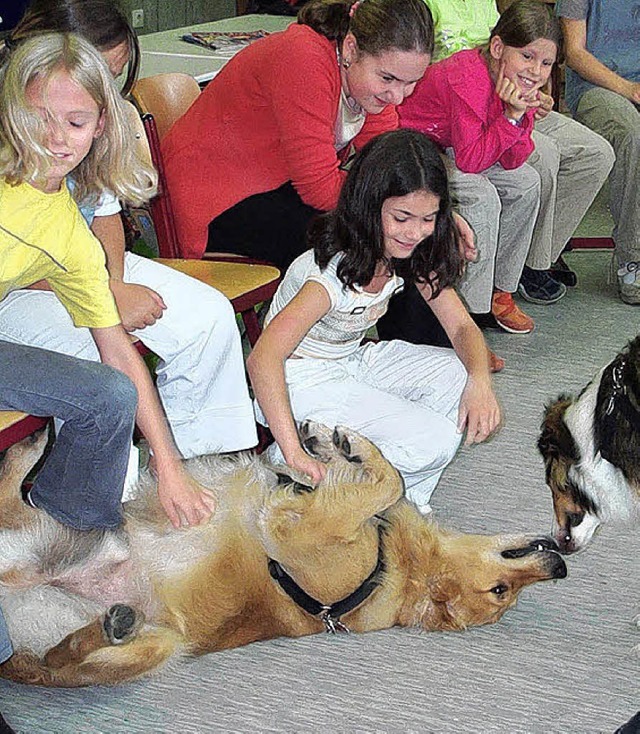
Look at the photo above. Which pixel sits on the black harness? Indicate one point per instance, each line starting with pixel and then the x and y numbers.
pixel 619 398
pixel 330 613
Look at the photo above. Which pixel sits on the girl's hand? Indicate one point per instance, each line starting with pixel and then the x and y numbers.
pixel 634 92
pixel 545 103
pixel 479 411
pixel 467 238
pixel 138 305
pixel 300 460
pixel 509 93
pixel 184 500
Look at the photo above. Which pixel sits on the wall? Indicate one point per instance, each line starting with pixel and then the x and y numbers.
pixel 161 15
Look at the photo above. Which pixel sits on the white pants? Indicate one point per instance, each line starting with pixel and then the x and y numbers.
pixel 200 375
pixel 573 162
pixel 403 397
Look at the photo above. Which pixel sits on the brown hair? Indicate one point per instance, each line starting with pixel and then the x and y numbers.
pixel 377 25
pixel 101 22
pixel 526 21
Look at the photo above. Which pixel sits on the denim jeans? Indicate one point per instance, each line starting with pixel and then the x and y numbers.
pixel 82 479
pixel 6 649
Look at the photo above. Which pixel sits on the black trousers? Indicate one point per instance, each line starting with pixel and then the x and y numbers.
pixel 271 226
pixel 409 318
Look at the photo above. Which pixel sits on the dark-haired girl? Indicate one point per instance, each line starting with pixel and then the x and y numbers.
pixel 259 152
pixel 392 225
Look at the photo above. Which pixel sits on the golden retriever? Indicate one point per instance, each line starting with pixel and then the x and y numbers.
pixel 107 607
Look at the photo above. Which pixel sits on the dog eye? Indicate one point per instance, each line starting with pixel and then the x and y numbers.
pixel 499 589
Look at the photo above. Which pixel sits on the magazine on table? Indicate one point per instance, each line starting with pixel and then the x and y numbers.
pixel 224 43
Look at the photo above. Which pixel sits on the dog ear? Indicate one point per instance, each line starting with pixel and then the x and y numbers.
pixel 555 439
pixel 443 592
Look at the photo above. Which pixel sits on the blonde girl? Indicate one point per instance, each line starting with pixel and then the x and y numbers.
pixel 60 113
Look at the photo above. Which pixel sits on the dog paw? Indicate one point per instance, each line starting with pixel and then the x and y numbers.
pixel 348 444
pixel 316 439
pixel 121 623
pixel 286 479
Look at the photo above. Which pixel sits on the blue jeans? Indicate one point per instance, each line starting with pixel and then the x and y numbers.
pixel 82 479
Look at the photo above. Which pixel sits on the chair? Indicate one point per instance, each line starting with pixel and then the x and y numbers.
pixel 15 426
pixel 161 100
pixel 245 282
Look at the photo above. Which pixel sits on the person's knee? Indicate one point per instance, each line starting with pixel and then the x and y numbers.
pixel 120 397
pixel 529 182
pixel 214 320
pixel 603 155
pixel 480 199
pixel 428 450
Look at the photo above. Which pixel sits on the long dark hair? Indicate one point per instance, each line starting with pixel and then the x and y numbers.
pixel 377 25
pixel 101 22
pixel 525 21
pixel 395 163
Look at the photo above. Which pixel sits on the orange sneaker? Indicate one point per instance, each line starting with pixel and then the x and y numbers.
pixel 496 364
pixel 508 315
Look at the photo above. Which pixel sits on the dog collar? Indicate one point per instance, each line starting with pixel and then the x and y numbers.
pixel 619 395
pixel 330 613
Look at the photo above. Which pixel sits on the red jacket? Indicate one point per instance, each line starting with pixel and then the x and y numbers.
pixel 267 118
pixel 456 105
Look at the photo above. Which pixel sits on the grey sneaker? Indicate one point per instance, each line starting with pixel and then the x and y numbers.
pixel 629 282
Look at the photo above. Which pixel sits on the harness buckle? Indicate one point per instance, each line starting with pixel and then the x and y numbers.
pixel 332 625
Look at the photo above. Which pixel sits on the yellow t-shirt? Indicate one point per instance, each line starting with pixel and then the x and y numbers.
pixel 44 236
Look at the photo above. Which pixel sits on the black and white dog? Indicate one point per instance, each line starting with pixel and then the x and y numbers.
pixel 591 449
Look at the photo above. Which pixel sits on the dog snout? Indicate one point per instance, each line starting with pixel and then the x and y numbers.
pixel 536 545
pixel 556 566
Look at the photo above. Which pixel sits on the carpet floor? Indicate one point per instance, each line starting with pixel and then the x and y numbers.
pixel 561 662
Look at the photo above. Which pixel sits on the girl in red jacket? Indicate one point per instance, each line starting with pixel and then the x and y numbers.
pixel 479 105
pixel 259 153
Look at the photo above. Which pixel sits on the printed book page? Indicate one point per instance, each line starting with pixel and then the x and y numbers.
pixel 224 43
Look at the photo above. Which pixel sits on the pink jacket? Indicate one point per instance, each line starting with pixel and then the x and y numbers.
pixel 456 105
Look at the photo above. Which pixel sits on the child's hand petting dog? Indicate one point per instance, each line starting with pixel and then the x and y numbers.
pixel 184 500
pixel 306 464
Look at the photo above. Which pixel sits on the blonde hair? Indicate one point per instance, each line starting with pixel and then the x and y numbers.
pixel 113 162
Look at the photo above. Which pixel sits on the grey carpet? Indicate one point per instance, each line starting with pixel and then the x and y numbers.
pixel 561 662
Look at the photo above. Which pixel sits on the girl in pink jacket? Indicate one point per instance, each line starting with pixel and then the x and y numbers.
pixel 479 106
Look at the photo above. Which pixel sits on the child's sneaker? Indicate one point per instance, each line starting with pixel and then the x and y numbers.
pixel 629 282
pixel 508 315
pixel 561 272
pixel 537 286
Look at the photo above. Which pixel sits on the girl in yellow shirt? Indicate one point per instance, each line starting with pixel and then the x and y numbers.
pixel 61 112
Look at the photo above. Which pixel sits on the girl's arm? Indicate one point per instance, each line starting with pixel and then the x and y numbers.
pixel 479 410
pixel 375 125
pixel 266 369
pixel 479 143
pixel 587 65
pixel 184 501
pixel 138 305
